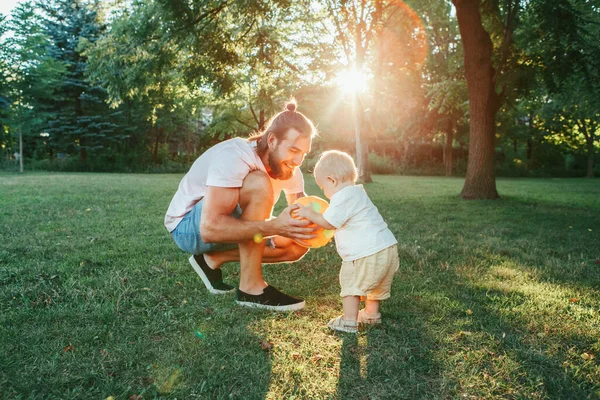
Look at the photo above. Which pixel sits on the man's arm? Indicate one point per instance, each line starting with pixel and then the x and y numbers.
pixel 218 226
pixel 291 198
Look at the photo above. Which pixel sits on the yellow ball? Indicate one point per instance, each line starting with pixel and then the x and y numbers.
pixel 258 238
pixel 319 205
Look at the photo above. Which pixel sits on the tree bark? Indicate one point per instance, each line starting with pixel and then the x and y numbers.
pixel 484 102
pixel 366 177
pixel 261 121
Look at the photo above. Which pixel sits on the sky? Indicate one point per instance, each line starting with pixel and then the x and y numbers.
pixel 6 6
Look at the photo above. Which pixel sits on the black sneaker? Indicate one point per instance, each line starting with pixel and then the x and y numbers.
pixel 212 278
pixel 270 299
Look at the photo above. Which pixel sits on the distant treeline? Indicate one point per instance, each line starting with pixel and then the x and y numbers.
pixel 148 86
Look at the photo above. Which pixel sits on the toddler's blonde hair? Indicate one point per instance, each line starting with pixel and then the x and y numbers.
pixel 338 165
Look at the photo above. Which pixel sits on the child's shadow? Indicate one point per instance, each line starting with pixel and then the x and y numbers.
pixel 390 361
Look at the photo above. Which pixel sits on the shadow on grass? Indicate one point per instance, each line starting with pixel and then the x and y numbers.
pixel 533 358
pixel 390 361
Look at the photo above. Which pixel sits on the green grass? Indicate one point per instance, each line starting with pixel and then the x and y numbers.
pixel 494 299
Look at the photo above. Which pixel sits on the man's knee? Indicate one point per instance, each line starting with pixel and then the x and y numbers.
pixel 257 186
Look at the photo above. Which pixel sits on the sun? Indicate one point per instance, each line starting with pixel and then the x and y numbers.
pixel 351 81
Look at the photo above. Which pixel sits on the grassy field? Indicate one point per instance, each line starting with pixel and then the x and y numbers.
pixel 494 299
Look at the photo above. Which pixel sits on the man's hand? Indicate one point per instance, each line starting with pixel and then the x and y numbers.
pixel 293 228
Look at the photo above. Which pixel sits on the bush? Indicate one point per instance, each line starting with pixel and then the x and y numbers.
pixel 383 165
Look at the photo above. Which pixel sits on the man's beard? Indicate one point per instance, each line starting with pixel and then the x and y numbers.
pixel 277 169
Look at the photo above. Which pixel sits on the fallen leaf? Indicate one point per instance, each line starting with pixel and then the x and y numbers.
pixel 135 397
pixel 295 356
pixel 266 345
pixel 110 398
pixel 587 356
pixel 469 311
pixel 589 229
pixel 597 261
pixel 573 300
pixel 317 358
pixel 68 348
pixel 88 209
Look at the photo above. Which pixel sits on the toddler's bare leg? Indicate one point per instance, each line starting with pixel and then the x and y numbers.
pixel 372 306
pixel 351 304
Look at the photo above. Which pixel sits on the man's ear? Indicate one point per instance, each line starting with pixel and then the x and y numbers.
pixel 271 140
pixel 332 180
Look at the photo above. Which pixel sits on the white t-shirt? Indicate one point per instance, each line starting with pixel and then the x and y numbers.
pixel 360 229
pixel 226 164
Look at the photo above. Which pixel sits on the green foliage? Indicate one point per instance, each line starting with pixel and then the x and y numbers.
pixel 181 75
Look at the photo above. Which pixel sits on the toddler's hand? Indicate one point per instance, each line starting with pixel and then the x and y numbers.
pixel 304 212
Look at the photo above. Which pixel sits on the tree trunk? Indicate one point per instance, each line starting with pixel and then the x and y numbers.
pixel 590 154
pixel 261 123
pixel 156 143
pixel 362 148
pixel 484 102
pixel 83 151
pixel 20 150
pixel 448 150
pixel 366 177
pixel 357 131
pixel 82 141
pixel 405 154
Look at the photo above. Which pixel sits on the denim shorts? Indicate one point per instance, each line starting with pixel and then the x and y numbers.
pixel 187 233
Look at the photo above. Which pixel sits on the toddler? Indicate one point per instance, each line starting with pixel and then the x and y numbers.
pixel 368 248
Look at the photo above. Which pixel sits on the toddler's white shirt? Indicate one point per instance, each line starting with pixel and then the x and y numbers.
pixel 226 164
pixel 361 230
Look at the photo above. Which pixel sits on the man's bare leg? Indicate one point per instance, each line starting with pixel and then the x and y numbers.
pixel 256 201
pixel 286 250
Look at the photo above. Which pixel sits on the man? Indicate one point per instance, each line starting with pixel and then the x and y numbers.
pixel 221 211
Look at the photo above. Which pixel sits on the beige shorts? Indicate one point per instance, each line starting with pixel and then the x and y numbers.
pixel 370 276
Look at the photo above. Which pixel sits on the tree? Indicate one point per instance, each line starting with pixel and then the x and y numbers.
pixel 484 101
pixel 446 88
pixel 5 141
pixel 240 63
pixel 81 120
pixel 564 37
pixel 33 75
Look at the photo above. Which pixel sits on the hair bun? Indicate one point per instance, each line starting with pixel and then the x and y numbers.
pixel 291 106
